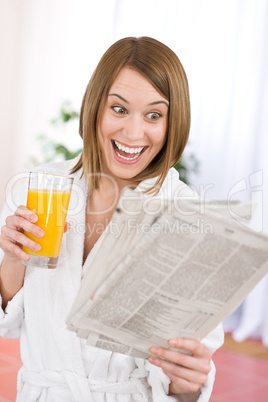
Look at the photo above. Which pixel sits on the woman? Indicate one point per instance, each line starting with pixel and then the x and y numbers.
pixel 134 121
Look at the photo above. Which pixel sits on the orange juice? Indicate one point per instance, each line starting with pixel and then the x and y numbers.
pixel 51 208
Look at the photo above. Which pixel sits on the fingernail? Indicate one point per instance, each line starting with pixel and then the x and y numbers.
pixel 40 233
pixel 173 342
pixel 154 350
pixel 37 247
pixel 34 218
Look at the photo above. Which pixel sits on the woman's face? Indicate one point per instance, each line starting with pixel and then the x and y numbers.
pixel 133 125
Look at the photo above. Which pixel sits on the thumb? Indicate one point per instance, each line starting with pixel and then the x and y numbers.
pixel 67 227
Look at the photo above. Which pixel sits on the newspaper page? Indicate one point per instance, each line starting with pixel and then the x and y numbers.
pixel 120 236
pixel 179 275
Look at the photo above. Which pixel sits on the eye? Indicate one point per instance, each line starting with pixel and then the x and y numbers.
pixel 119 109
pixel 154 115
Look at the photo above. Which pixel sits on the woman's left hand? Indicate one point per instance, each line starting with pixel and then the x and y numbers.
pixel 187 372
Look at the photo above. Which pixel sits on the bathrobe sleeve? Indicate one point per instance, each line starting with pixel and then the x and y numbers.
pixel 11 319
pixel 160 382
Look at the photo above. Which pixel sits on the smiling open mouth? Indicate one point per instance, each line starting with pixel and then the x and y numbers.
pixel 127 153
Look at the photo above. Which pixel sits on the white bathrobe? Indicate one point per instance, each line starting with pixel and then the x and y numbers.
pixel 57 365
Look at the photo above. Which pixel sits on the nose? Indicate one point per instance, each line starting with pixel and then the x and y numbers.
pixel 134 128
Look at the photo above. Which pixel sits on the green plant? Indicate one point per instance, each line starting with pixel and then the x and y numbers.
pixel 186 165
pixel 52 150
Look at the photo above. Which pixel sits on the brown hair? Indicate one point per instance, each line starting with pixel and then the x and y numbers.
pixel 162 68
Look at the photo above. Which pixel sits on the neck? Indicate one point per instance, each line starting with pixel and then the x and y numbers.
pixel 110 184
pixel 108 194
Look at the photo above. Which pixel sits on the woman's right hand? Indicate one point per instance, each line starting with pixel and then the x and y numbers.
pixel 12 236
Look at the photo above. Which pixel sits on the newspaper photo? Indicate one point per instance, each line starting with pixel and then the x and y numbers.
pixel 171 269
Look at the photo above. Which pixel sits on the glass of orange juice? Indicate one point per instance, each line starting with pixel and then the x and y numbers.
pixel 48 197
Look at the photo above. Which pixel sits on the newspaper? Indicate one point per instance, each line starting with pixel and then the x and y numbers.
pixel 174 269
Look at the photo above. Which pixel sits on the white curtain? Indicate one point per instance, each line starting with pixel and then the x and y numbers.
pixel 50 48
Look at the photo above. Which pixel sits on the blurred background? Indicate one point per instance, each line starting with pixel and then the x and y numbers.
pixel 50 48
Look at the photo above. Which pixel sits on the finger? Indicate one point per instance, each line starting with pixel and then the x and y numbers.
pixel 67 227
pixel 12 250
pixel 20 238
pixel 201 364
pixel 26 213
pixel 195 347
pixel 190 375
pixel 180 385
pixel 21 223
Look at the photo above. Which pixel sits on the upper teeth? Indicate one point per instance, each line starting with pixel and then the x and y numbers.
pixel 127 149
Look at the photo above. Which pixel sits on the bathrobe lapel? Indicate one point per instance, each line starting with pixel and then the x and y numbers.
pixel 73 247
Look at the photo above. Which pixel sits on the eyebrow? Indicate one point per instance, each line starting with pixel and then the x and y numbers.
pixel 151 104
pixel 161 101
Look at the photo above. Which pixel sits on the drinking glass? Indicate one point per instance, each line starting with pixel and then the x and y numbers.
pixel 48 197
